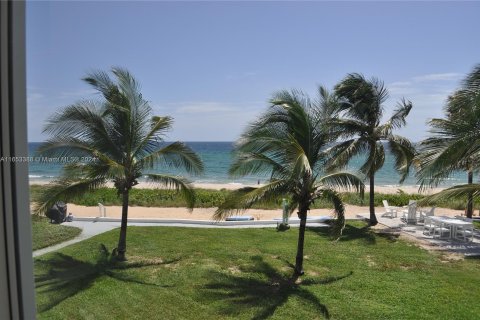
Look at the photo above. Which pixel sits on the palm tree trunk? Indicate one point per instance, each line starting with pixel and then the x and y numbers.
pixel 373 217
pixel 302 214
pixel 122 241
pixel 470 196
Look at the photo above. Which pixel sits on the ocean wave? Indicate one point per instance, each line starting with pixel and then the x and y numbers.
pixel 34 176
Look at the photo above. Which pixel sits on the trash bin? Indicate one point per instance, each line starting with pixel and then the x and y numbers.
pixel 57 212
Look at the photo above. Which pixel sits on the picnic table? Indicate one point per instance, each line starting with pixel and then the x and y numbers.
pixel 453 225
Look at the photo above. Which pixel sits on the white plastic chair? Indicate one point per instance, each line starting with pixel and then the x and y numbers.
pixel 428 226
pixel 410 215
pixel 390 211
pixel 426 213
pixel 441 228
pixel 465 232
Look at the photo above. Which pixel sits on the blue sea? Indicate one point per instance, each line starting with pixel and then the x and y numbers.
pixel 217 157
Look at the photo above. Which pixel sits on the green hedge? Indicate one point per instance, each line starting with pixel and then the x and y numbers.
pixel 207 198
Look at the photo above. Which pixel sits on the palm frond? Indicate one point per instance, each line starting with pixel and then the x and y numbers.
pixel 339 210
pixel 249 163
pixel 83 121
pixel 463 190
pixel 472 80
pixel 301 161
pixel 454 143
pixel 176 154
pixel 242 199
pixel 154 136
pixel 362 99
pixel 340 154
pixel 344 181
pixel 403 152
pixel 64 189
pixel 347 128
pixel 177 183
pixel 70 147
pixel 375 160
pixel 396 121
pixel 438 160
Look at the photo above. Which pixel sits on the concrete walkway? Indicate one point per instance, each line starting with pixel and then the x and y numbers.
pixel 89 229
pixel 94 226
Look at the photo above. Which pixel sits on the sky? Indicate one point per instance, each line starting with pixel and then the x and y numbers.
pixel 213 66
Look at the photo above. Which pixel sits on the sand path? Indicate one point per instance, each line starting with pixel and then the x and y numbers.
pixel 207 213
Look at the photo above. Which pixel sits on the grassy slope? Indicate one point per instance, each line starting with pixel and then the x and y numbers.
pixel 212 198
pixel 45 234
pixel 243 274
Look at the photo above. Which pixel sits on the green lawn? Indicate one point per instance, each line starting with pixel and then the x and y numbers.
pixel 183 273
pixel 45 234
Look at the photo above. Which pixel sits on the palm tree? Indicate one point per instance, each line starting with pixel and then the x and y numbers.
pixel 361 106
pixel 288 144
pixel 119 139
pixel 455 141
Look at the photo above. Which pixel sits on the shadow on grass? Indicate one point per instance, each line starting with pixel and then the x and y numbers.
pixel 263 288
pixel 389 235
pixel 63 276
pixel 473 257
pixel 350 233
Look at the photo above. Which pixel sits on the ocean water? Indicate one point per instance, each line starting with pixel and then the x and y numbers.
pixel 217 157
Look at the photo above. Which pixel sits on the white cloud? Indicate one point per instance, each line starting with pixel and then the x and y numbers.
pixel 428 94
pixel 449 76
pixel 400 87
pixel 209 120
pixel 203 107
pixel 400 84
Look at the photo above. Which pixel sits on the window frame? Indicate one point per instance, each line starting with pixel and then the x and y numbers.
pixel 17 293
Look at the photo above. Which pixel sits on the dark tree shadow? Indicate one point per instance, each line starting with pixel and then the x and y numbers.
pixel 63 276
pixel 350 233
pixel 389 235
pixel 265 293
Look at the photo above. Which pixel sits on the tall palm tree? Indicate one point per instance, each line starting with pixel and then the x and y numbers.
pixel 288 144
pixel 455 141
pixel 119 139
pixel 359 127
pixel 445 151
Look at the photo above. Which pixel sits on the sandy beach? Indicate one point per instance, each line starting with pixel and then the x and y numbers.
pixel 207 213
pixel 233 186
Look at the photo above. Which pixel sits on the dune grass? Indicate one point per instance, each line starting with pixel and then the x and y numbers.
pixel 207 198
pixel 183 273
pixel 45 234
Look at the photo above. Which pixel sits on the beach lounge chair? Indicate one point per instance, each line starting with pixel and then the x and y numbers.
pixel 441 228
pixel 410 215
pixel 426 213
pixel 428 226
pixel 465 232
pixel 390 211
